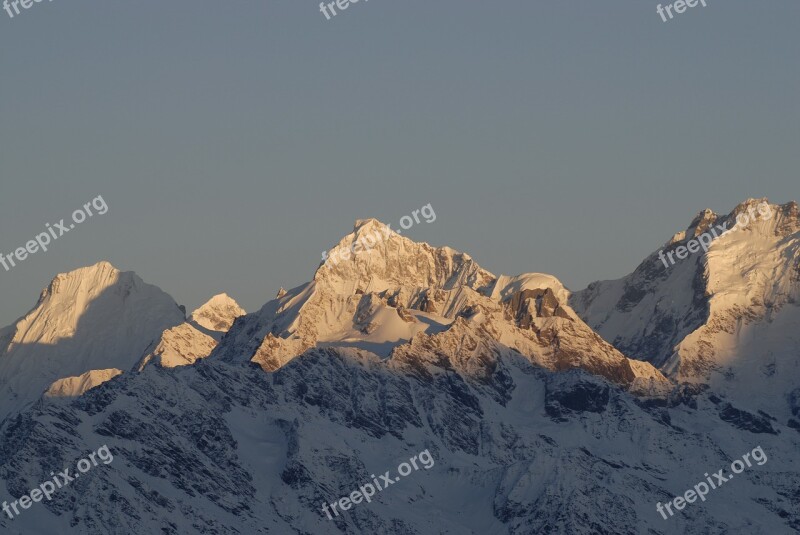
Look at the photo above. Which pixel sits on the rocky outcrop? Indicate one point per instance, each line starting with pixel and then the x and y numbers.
pixel 197 337
pixel 399 292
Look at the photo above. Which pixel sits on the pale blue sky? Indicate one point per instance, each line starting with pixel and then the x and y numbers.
pixel 235 141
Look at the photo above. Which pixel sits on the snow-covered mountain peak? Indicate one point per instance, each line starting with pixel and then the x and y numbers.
pixel 375 258
pixel 196 338
pixel 722 316
pixel 700 224
pixel 96 278
pixel 218 313
pixel 75 297
pixel 488 373
pixel 384 293
pixel 92 318
pixel 368 225
pixel 751 214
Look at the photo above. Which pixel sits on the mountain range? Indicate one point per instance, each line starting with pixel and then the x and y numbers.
pixel 546 410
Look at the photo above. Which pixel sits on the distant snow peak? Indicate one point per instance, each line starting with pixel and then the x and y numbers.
pixel 702 222
pixel 195 339
pixel 402 296
pixel 92 318
pixel 705 230
pixel 370 224
pixel 218 314
pixel 367 233
pixel 724 317
pixel 97 277
pixel 395 261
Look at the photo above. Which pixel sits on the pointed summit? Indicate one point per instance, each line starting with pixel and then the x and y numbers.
pixel 383 293
pixel 719 316
pixel 374 257
pixel 198 336
pixel 92 318
pixel 97 276
pixel 217 314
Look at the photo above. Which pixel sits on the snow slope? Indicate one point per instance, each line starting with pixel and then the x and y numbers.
pixel 384 297
pixel 198 336
pixel 536 424
pixel 726 317
pixel 225 448
pixel 93 318
pixel 71 387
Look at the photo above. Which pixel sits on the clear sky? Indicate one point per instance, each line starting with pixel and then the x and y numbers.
pixel 234 141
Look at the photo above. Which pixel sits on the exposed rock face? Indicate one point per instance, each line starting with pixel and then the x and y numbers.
pixel 540 303
pixel 536 424
pixel 574 393
pixel 222 447
pixel 394 262
pixel 198 336
pixel 746 421
pixel 395 292
pixel 217 315
pixel 724 317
